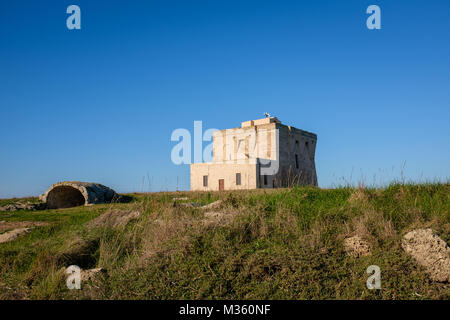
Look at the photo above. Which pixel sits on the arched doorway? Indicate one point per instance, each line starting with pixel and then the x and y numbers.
pixel 65 197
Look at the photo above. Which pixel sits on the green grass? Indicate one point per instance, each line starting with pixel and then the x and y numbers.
pixel 274 244
pixel 4 202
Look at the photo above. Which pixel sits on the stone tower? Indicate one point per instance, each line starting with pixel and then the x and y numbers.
pixel 262 153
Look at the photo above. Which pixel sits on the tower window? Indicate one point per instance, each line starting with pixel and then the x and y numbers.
pixel 238 179
pixel 205 181
pixel 296 161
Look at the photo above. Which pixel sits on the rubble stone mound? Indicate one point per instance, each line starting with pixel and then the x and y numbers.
pixel 430 251
pixel 75 193
pixel 356 247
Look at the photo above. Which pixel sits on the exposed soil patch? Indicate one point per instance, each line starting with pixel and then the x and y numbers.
pixel 9 225
pixel 356 247
pixel 13 234
pixel 114 218
pixel 430 251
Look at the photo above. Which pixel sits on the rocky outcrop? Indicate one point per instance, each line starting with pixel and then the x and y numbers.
pixel 75 193
pixel 22 206
pixel 430 251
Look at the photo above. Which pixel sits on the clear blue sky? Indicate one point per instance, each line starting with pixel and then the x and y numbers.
pixel 99 104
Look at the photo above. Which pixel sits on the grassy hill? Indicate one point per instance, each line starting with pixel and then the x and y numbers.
pixel 275 244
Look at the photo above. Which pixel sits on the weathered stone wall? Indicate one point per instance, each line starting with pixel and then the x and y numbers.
pixel 227 172
pixel 295 143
